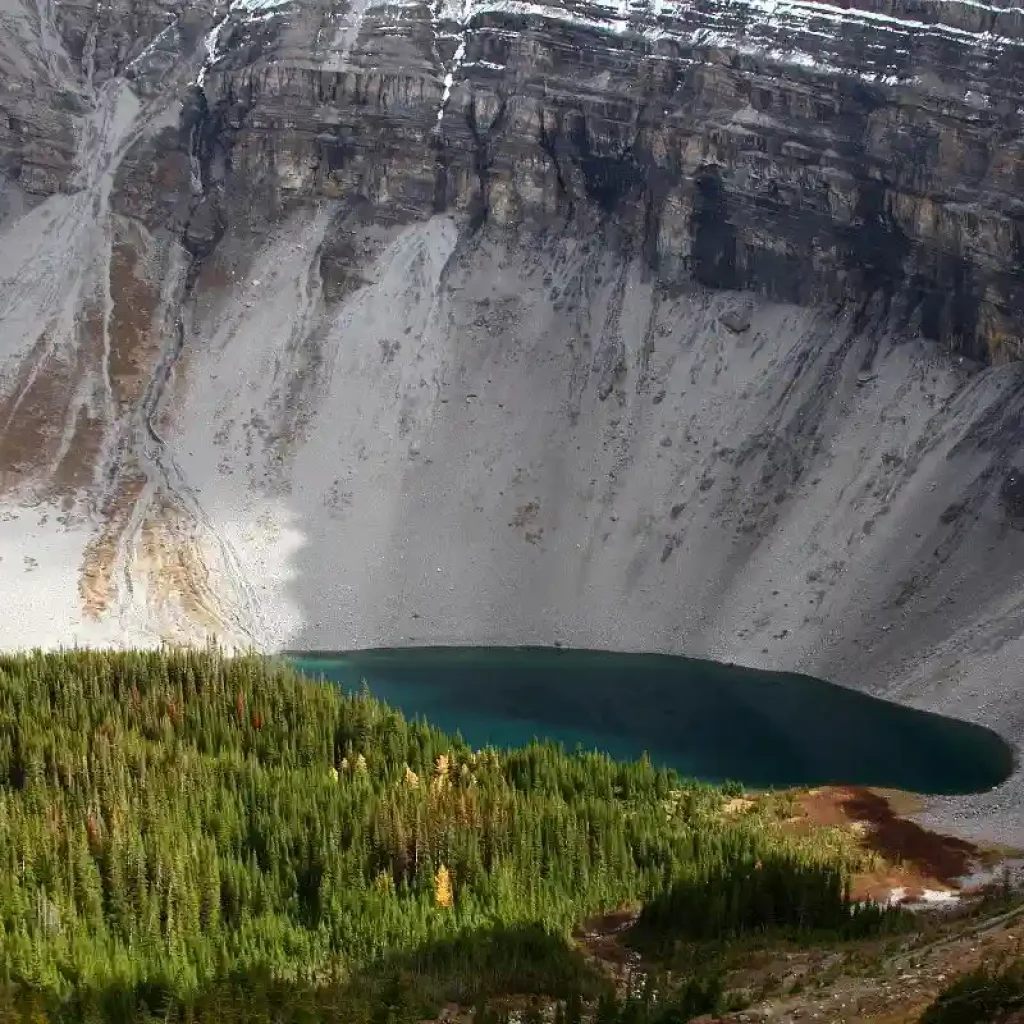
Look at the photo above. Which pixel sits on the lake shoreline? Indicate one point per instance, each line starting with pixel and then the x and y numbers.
pixel 712 721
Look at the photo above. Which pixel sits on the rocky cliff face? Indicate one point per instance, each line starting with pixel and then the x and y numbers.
pixel 690 327
pixel 811 153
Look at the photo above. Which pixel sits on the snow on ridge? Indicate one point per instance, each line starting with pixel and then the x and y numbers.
pixel 779 18
pixel 840 15
pixel 673 8
pixel 764 21
pixel 978 6
pixel 746 26
pixel 617 17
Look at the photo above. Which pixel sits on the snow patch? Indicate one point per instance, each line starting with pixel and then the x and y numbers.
pixel 925 899
pixel 444 12
pixel 248 10
pixel 153 44
pixel 660 20
pixel 801 10
pixel 212 44
pixel 346 36
pixel 449 78
pixel 795 13
pixel 256 6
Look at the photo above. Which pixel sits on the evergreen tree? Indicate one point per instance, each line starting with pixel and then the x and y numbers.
pixel 179 819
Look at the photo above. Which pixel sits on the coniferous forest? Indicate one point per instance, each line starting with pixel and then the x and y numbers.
pixel 184 833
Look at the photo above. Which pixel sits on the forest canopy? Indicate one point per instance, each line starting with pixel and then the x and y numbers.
pixel 176 818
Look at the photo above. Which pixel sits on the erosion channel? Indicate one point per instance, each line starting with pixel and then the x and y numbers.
pixel 707 720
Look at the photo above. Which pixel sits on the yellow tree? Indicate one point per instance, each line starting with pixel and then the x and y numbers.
pixel 443 887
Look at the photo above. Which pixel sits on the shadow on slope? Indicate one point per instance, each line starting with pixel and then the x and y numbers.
pixel 400 988
pixel 899 839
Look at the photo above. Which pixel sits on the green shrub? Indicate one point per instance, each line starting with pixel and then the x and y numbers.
pixel 731 889
pixel 982 996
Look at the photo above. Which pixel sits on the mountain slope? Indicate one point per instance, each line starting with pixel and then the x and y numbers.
pixel 655 327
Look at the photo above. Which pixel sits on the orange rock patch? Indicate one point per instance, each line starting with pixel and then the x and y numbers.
pixel 914 857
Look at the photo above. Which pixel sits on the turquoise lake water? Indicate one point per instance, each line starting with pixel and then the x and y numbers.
pixel 706 720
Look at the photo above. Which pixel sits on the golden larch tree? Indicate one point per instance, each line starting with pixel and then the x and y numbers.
pixel 443 887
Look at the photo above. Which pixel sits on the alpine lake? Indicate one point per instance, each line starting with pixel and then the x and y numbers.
pixel 706 720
